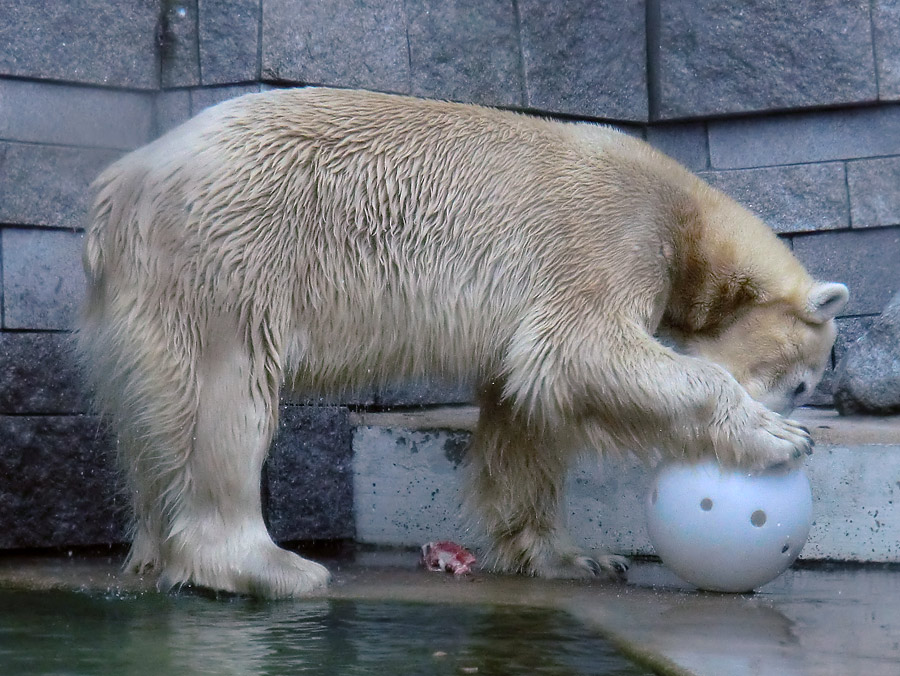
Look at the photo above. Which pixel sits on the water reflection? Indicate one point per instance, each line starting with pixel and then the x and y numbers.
pixel 731 635
pixel 61 632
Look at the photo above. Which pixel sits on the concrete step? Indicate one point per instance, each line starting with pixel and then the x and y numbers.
pixel 407 473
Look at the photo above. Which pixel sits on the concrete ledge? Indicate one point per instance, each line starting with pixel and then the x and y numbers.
pixel 830 429
pixel 827 427
pixel 407 468
pixel 441 418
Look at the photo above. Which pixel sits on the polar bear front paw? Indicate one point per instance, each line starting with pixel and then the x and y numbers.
pixel 570 565
pixel 775 440
pixel 607 567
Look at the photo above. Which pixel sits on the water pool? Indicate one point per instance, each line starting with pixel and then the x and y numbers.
pixel 78 633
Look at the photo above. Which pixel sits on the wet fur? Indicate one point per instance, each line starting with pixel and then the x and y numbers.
pixel 331 239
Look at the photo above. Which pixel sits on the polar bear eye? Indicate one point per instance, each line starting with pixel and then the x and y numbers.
pixel 800 389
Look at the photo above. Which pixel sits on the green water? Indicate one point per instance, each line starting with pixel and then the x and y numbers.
pixel 72 633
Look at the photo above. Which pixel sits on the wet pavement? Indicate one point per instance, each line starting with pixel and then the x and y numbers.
pixel 816 620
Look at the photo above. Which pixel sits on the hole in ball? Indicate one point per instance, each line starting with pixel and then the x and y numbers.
pixel 785 549
pixel 706 504
pixel 758 518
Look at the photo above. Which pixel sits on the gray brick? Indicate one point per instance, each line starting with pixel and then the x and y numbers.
pixel 229 40
pixel 310 475
pixel 39 374
pixel 721 56
pixel 204 97
pixel 48 185
pixel 868 261
pixel 49 113
pixel 348 43
pixel 805 137
pixel 874 192
pixel 465 50
pixel 90 41
pixel 179 63
pixel 172 108
pixel 886 22
pixel 43 283
pixel 586 57
pixel 685 142
pixel 58 485
pixel 790 199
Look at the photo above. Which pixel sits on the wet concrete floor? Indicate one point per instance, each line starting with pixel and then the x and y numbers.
pixel 816 620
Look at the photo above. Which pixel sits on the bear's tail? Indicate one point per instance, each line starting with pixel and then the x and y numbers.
pixel 105 189
pixel 114 197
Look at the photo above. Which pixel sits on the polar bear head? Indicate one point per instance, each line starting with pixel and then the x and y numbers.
pixel 778 350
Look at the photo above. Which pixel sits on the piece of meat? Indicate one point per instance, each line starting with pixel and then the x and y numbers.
pixel 446 556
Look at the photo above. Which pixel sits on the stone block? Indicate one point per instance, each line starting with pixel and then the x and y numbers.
pixel 172 108
pixel 178 47
pixel 359 398
pixel 58 484
pixel 345 43
pixel 38 112
pixel 720 57
pixel 867 379
pixel 796 138
pixel 408 490
pixel 874 192
pixel 39 374
pixel 91 41
pixel 465 50
pixel 43 283
pixel 855 502
pixel 406 485
pixel 425 392
pixel 229 40
pixel 309 485
pixel 685 142
pixel 886 25
pixel 586 57
pixel 48 185
pixel 790 199
pixel 867 261
pixel 204 97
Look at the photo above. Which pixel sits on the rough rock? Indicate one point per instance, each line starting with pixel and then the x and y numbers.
pixel 867 379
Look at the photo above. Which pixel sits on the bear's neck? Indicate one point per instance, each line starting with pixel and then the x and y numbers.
pixel 724 259
pixel 705 297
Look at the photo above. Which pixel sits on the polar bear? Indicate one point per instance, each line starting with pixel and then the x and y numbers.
pixel 599 293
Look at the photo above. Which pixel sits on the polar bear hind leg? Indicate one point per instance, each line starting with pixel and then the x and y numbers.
pixel 196 410
pixel 217 537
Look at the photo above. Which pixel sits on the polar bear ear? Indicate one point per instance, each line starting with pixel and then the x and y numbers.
pixel 825 300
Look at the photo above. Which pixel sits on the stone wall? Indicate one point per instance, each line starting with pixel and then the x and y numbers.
pixel 790 107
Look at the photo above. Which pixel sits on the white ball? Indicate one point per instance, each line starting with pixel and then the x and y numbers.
pixel 728 530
